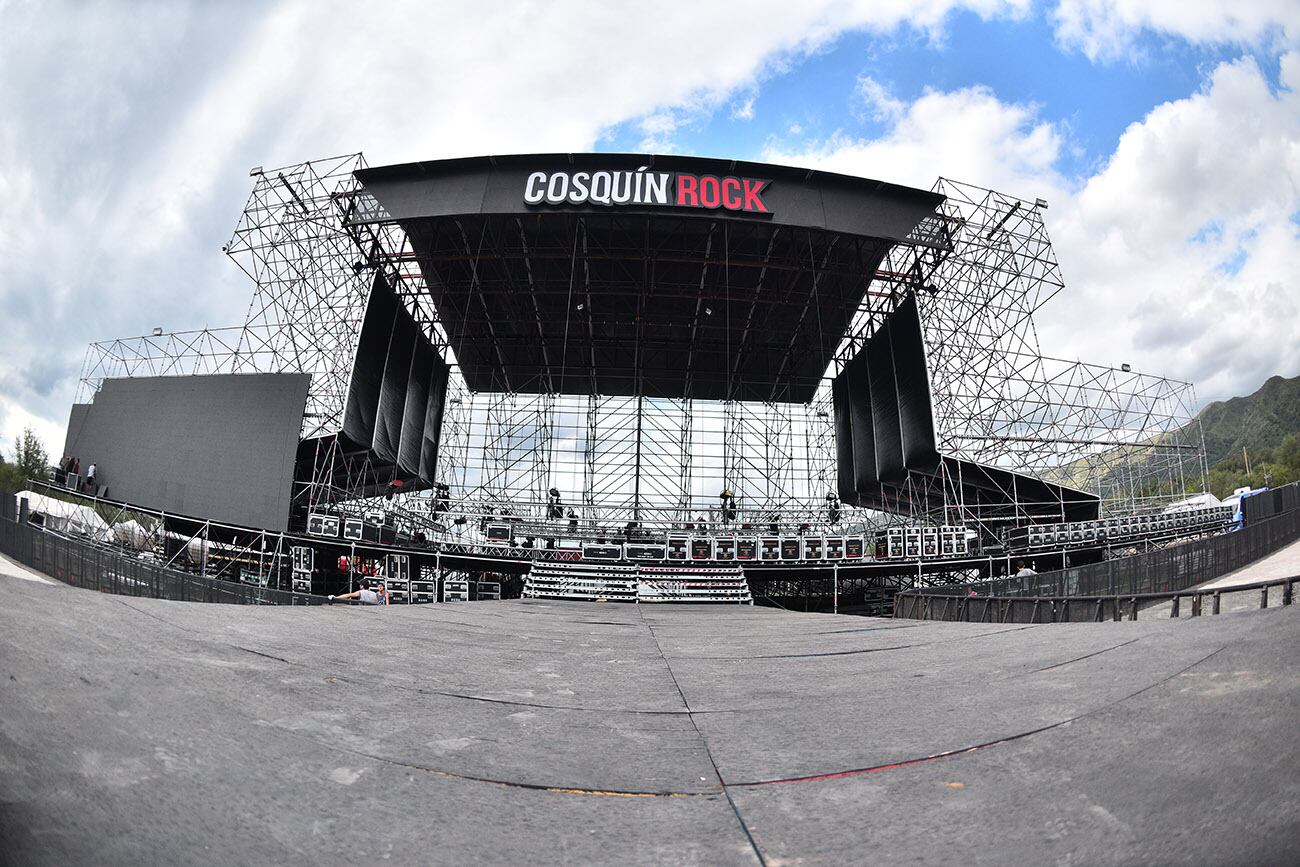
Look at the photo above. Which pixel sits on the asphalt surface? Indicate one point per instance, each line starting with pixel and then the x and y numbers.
pixel 138 731
pixel 1283 563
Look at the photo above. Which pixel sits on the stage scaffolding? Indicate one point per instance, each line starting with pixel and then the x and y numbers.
pixel 313 243
pixel 998 400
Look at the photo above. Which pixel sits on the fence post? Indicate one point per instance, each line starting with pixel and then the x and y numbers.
pixel 1196 604
pixel 1286 593
pixel 1173 611
pixel 1133 610
pixel 1214 609
pixel 1263 596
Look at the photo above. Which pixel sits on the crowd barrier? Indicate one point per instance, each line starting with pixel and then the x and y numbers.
pixel 106 570
pixel 1077 609
pixel 1274 501
pixel 1165 570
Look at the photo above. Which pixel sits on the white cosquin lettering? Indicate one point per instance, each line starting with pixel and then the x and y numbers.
pixel 656 188
pixel 622 188
pixel 557 188
pixel 578 188
pixel 535 189
pixel 600 187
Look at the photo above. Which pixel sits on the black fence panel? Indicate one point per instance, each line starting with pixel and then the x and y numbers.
pixel 83 564
pixel 1275 501
pixel 1112 590
pixel 1174 568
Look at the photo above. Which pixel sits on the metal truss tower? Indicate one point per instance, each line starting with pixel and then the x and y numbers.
pixel 314 243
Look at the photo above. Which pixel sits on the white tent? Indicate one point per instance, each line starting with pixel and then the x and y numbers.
pixel 131 535
pixel 64 516
pixel 1200 501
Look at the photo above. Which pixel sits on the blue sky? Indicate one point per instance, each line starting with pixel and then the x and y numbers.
pixel 1165 135
pixel 1020 60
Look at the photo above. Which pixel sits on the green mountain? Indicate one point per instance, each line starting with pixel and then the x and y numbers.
pixel 1266 424
pixel 1260 421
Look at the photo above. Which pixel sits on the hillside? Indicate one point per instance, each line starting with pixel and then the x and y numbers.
pixel 1259 421
pixel 1266 424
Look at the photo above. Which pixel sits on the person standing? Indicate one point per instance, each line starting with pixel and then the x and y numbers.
pixel 90 477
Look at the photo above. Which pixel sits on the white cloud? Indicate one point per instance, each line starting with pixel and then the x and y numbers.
pixel 1186 237
pixel 129 130
pixel 1110 28
pixel 1179 255
pixel 877 99
pixel 965 134
pixel 745 110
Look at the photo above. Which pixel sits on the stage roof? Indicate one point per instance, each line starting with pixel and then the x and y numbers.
pixel 688 278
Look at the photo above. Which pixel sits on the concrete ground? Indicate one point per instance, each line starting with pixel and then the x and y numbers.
pixel 145 731
pixel 1283 563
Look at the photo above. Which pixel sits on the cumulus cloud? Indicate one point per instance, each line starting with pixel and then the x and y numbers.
pixel 129 130
pixel 1178 254
pixel 966 134
pixel 1105 29
pixel 1187 235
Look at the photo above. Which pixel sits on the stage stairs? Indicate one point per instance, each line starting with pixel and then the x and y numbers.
pixel 614 583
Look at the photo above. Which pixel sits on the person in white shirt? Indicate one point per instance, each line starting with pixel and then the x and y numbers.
pixel 372 592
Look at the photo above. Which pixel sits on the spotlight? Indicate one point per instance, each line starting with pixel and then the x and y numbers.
pixel 581 306
pixel 157 332
pixel 708 311
pixel 1126 368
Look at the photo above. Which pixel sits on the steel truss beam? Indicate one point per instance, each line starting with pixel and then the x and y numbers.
pixel 313 242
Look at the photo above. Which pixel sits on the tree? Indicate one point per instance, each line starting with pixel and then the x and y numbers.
pixel 10 480
pixel 30 457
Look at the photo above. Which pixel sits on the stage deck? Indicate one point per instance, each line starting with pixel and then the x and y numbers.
pixel 137 730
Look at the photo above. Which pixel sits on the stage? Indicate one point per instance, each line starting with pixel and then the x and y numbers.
pixel 134 729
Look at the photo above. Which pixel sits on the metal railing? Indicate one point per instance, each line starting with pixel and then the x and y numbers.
pixel 1166 570
pixel 1074 609
pixel 107 570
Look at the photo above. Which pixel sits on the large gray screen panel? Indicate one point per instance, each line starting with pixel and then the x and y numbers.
pixel 392 393
pixel 219 447
pixel 416 408
pixel 884 406
pixel 843 439
pixel 864 429
pixel 368 369
pixel 433 419
pixel 915 415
